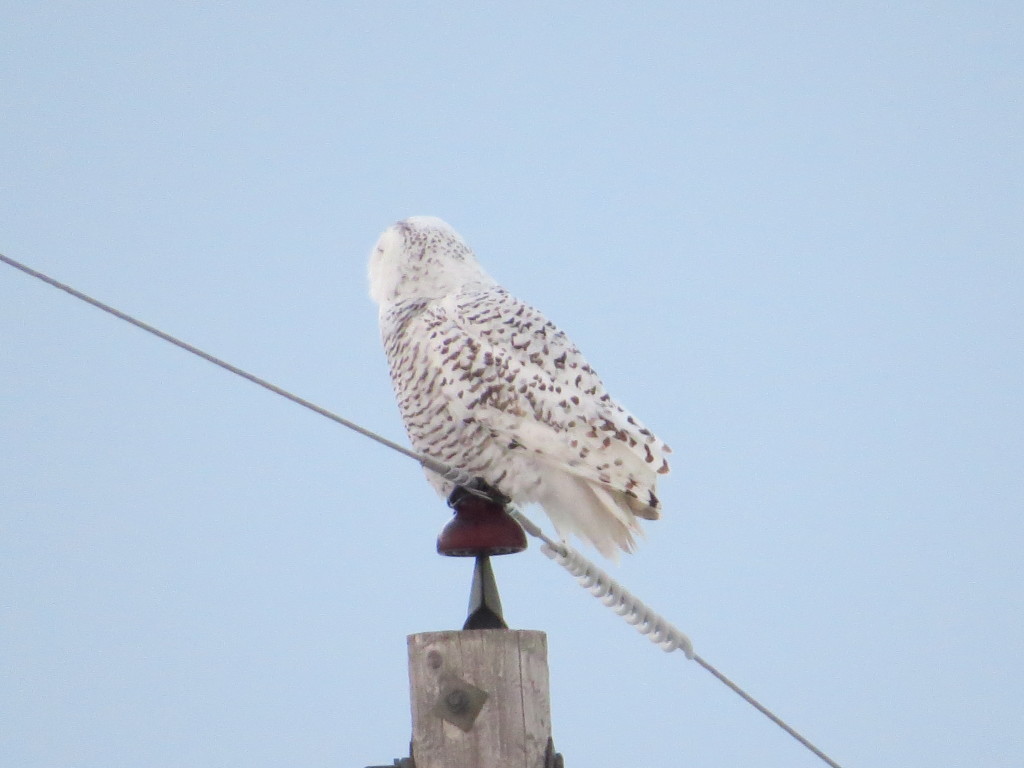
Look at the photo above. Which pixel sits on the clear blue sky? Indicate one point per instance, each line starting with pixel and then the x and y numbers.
pixel 789 236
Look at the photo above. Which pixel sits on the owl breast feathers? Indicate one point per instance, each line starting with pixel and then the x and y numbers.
pixel 487 384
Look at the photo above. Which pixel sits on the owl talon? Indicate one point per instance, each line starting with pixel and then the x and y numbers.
pixel 477 487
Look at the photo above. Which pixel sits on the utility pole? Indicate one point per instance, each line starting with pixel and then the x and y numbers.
pixel 480 695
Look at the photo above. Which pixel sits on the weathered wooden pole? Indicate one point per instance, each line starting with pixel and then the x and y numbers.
pixel 480 699
pixel 480 695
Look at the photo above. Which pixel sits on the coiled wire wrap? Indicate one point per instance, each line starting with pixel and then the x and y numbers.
pixel 601 585
pixel 632 609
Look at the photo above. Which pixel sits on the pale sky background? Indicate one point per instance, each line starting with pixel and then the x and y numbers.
pixel 789 237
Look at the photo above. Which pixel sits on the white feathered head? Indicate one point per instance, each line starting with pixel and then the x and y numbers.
pixel 421 257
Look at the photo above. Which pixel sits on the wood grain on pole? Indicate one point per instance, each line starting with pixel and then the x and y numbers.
pixel 479 698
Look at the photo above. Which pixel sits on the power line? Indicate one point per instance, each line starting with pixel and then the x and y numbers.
pixel 634 611
pixel 456 476
pixel 591 577
pixel 766 712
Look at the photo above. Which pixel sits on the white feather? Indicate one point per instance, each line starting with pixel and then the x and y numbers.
pixel 486 383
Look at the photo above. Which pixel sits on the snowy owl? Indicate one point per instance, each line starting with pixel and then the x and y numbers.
pixel 487 384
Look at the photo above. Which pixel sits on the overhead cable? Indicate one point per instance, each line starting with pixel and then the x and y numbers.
pixel 590 576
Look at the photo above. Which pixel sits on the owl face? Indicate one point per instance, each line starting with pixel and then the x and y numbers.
pixel 421 257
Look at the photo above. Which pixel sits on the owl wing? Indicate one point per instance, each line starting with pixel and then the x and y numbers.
pixel 509 369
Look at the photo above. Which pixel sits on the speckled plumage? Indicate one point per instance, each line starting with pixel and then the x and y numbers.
pixel 486 383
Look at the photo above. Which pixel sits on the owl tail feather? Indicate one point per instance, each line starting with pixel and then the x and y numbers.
pixel 590 511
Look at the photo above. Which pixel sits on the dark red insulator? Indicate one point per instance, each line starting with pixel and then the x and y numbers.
pixel 480 528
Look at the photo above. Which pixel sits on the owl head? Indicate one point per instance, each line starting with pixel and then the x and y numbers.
pixel 421 257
